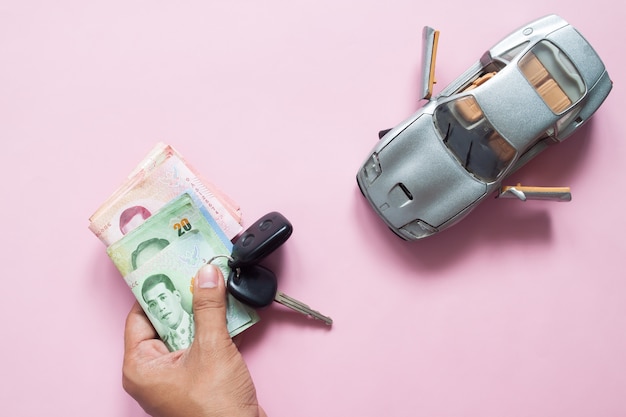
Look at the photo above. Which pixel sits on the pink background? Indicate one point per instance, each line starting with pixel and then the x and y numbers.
pixel 519 310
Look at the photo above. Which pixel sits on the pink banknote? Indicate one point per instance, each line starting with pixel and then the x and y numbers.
pixel 162 176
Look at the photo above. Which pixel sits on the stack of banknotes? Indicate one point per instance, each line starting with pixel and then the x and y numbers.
pixel 160 227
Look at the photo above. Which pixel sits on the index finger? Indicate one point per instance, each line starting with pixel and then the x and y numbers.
pixel 138 328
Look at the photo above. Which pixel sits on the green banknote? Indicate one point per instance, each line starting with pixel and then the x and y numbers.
pixel 171 223
pixel 159 261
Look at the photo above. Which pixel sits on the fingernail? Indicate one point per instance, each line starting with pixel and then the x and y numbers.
pixel 207 277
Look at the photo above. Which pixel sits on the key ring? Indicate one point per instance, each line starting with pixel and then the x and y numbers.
pixel 220 256
pixel 230 259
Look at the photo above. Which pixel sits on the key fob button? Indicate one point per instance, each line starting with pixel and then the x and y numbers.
pixel 266 224
pixel 248 240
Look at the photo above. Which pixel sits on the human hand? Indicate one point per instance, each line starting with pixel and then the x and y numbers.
pixel 209 379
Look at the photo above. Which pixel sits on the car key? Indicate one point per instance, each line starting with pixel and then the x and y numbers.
pixel 257 287
pixel 260 239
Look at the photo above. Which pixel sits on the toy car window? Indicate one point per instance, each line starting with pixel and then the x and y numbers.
pixel 476 145
pixel 480 80
pixel 567 121
pixel 553 76
pixel 513 52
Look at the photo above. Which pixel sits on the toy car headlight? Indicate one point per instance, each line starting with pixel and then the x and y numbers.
pixel 371 168
pixel 418 229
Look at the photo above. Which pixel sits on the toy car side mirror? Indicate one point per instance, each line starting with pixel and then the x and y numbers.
pixel 383 133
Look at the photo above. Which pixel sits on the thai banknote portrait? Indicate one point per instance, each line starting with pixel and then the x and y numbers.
pixel 159 260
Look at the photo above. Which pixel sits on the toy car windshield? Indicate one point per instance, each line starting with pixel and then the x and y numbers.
pixel 471 138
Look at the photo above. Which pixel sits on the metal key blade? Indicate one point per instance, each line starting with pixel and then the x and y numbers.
pixel 300 307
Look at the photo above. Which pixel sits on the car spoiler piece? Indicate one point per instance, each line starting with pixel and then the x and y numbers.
pixel 430 38
pixel 536 193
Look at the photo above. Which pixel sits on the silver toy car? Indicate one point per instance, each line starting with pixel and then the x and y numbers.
pixel 532 89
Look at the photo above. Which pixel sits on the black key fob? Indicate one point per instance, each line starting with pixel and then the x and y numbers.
pixel 253 285
pixel 260 239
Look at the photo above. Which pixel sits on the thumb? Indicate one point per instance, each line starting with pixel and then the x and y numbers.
pixel 209 304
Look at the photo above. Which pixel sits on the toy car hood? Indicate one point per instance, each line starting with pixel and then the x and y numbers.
pixel 419 188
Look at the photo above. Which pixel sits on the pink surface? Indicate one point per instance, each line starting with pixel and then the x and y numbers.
pixel 517 311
